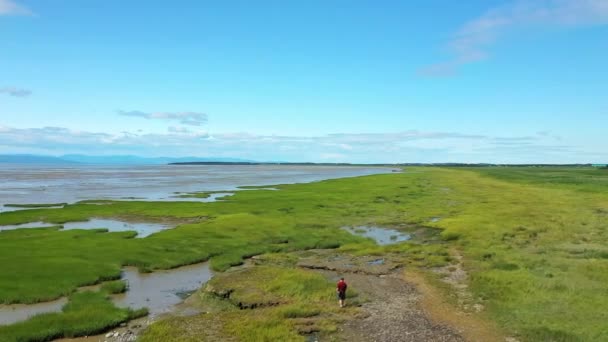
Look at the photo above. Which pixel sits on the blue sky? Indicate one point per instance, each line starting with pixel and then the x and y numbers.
pixel 357 81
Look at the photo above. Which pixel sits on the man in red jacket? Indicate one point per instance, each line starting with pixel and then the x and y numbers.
pixel 341 289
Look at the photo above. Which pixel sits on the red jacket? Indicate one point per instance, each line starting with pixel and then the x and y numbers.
pixel 342 286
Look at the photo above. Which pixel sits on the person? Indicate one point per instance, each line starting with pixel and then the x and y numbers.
pixel 341 290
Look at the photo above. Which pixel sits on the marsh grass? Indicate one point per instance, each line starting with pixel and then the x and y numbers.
pixel 86 313
pixel 533 240
pixel 262 303
pixel 115 286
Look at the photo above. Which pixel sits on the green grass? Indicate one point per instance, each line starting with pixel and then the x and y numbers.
pixel 115 287
pixel 590 179
pixel 86 313
pixel 533 239
pixel 262 303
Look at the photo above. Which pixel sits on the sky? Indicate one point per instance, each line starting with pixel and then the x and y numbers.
pixel 522 81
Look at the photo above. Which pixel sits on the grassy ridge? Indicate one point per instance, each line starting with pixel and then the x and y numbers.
pixel 588 179
pixel 533 239
pixel 536 249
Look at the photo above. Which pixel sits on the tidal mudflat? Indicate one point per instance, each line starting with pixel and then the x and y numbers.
pixel 24 184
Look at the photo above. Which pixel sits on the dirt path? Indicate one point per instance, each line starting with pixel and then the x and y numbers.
pixel 397 307
pixel 392 312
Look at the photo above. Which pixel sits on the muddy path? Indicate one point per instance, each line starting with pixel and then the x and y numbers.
pixel 398 304
pixel 391 313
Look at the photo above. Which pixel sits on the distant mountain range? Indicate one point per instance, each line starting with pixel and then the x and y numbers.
pixel 111 160
pixel 78 159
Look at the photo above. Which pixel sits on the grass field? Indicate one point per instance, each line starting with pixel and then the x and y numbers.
pixel 534 240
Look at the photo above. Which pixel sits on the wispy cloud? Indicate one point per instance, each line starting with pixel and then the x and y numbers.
pixel 407 146
pixel 10 7
pixel 184 118
pixel 17 92
pixel 472 41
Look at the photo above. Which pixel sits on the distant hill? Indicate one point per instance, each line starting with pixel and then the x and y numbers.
pixel 273 163
pixel 134 160
pixel 32 159
pixel 107 160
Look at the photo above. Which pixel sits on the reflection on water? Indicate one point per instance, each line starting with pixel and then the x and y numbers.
pixel 158 291
pixel 142 229
pixel 10 314
pixel 382 236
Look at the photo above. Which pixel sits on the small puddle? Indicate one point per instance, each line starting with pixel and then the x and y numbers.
pixel 312 337
pixel 158 291
pixel 214 197
pixel 14 313
pixel 142 229
pixel 217 196
pixel 255 188
pixel 376 262
pixel 28 225
pixel 12 208
pixel 382 236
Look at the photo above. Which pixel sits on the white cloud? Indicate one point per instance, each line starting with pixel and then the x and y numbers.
pixel 184 118
pixel 13 91
pixel 407 146
pixel 10 7
pixel 472 40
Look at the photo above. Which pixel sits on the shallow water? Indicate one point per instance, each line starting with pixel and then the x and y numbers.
pixel 214 197
pixel 5 209
pixel 28 225
pixel 10 314
pixel 24 184
pixel 376 262
pixel 142 229
pixel 158 291
pixel 382 236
